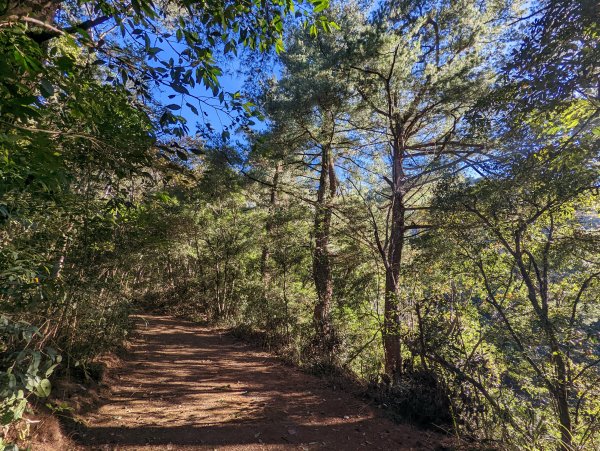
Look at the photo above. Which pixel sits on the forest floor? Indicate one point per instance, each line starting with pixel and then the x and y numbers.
pixel 185 387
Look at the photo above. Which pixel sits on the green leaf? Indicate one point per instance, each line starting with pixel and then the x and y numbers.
pixel 180 89
pixel 46 88
pixel 320 5
pixel 43 388
pixel 19 409
pixel 192 107
pixel 279 47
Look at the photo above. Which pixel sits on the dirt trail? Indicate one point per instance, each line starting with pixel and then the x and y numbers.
pixel 183 387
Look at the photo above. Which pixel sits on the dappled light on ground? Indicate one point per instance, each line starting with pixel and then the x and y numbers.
pixel 185 387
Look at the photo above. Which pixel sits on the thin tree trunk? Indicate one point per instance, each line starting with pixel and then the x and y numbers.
pixel 561 395
pixel 559 386
pixel 423 348
pixel 269 226
pixel 322 259
pixel 60 263
pixel 391 326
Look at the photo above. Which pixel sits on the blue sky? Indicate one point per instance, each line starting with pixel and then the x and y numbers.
pixel 232 80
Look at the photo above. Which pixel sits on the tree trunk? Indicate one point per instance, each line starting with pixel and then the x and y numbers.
pixel 561 395
pixel 558 387
pixel 322 259
pixel 265 270
pixel 391 325
pixel 566 431
pixel 59 265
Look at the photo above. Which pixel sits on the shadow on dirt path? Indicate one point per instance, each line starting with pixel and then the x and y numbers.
pixel 184 387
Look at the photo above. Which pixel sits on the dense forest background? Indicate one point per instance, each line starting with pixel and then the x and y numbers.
pixel 403 192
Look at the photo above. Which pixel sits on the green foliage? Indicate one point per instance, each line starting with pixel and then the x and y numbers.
pixel 449 197
pixel 128 42
pixel 25 370
pixel 90 202
pixel 538 67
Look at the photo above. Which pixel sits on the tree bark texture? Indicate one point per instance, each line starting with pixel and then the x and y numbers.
pixel 322 273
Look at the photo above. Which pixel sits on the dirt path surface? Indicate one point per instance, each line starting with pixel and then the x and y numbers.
pixel 183 387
